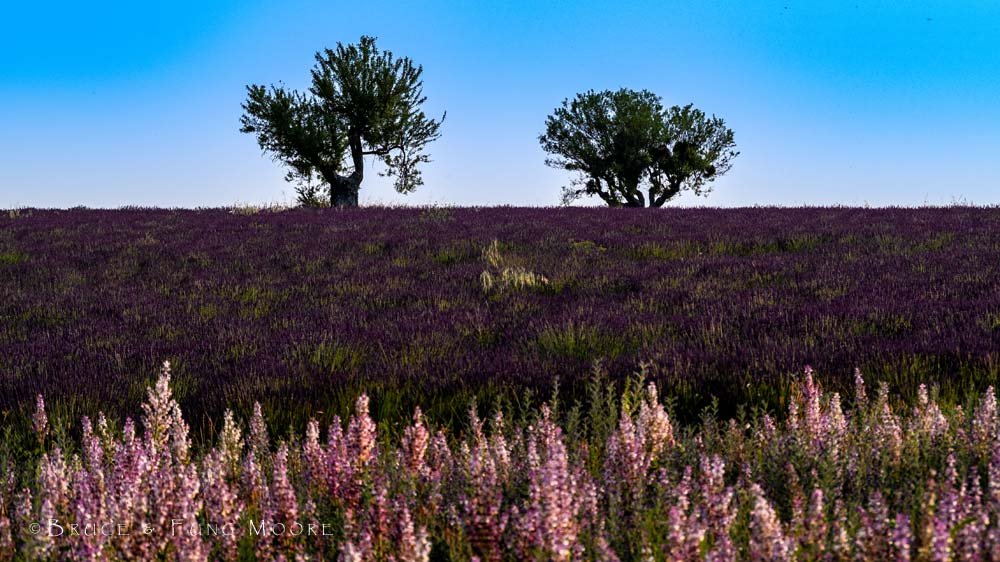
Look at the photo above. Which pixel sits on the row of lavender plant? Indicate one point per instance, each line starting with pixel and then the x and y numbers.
pixel 869 482
pixel 297 309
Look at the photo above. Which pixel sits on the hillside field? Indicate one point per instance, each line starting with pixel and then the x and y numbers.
pixel 303 309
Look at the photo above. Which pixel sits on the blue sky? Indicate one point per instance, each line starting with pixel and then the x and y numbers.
pixel 137 103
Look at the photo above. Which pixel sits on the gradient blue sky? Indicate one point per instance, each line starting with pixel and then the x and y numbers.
pixel 137 103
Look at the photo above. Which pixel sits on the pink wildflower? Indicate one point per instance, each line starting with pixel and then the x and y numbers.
pixel 284 507
pixel 222 504
pixel 902 538
pixel 40 421
pixel 6 535
pixel 549 522
pixel 362 436
pixel 259 441
pixel 414 445
pixel 767 537
pixel 482 501
pixel 230 445
pixel 654 423
pixel 412 544
pixel 985 422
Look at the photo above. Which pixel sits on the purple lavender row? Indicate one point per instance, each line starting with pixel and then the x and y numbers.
pixel 298 307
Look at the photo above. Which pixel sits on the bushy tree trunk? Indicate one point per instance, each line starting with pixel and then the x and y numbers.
pixel 344 197
pixel 344 189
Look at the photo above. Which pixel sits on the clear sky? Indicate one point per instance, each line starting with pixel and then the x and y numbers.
pixel 833 102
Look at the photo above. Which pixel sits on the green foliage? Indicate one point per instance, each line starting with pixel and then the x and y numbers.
pixel 375 248
pixel 991 321
pixel 247 209
pixel 310 194
pixel 657 251
pixel 501 277
pixel 13 257
pixel 632 152
pixel 602 412
pixel 580 341
pixel 362 102
pixel 333 357
pixel 587 246
pixel 435 214
pixel 454 253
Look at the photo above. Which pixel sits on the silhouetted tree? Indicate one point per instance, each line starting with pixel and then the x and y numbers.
pixel 362 102
pixel 632 152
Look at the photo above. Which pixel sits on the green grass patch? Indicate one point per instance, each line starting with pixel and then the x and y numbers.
pixel 13 257
pixel 580 341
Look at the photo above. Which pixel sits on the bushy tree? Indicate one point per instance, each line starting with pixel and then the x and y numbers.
pixel 362 102
pixel 631 151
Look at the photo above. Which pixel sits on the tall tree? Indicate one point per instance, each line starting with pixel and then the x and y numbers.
pixel 632 152
pixel 362 102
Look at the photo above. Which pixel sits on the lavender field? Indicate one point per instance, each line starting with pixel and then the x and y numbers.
pixel 704 384
pixel 302 310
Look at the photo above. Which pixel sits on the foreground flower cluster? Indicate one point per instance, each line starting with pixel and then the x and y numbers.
pixel 871 482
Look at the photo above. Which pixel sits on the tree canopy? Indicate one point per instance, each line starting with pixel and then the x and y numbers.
pixel 631 151
pixel 362 102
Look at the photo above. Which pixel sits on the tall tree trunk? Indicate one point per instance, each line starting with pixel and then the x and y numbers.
pixel 344 189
